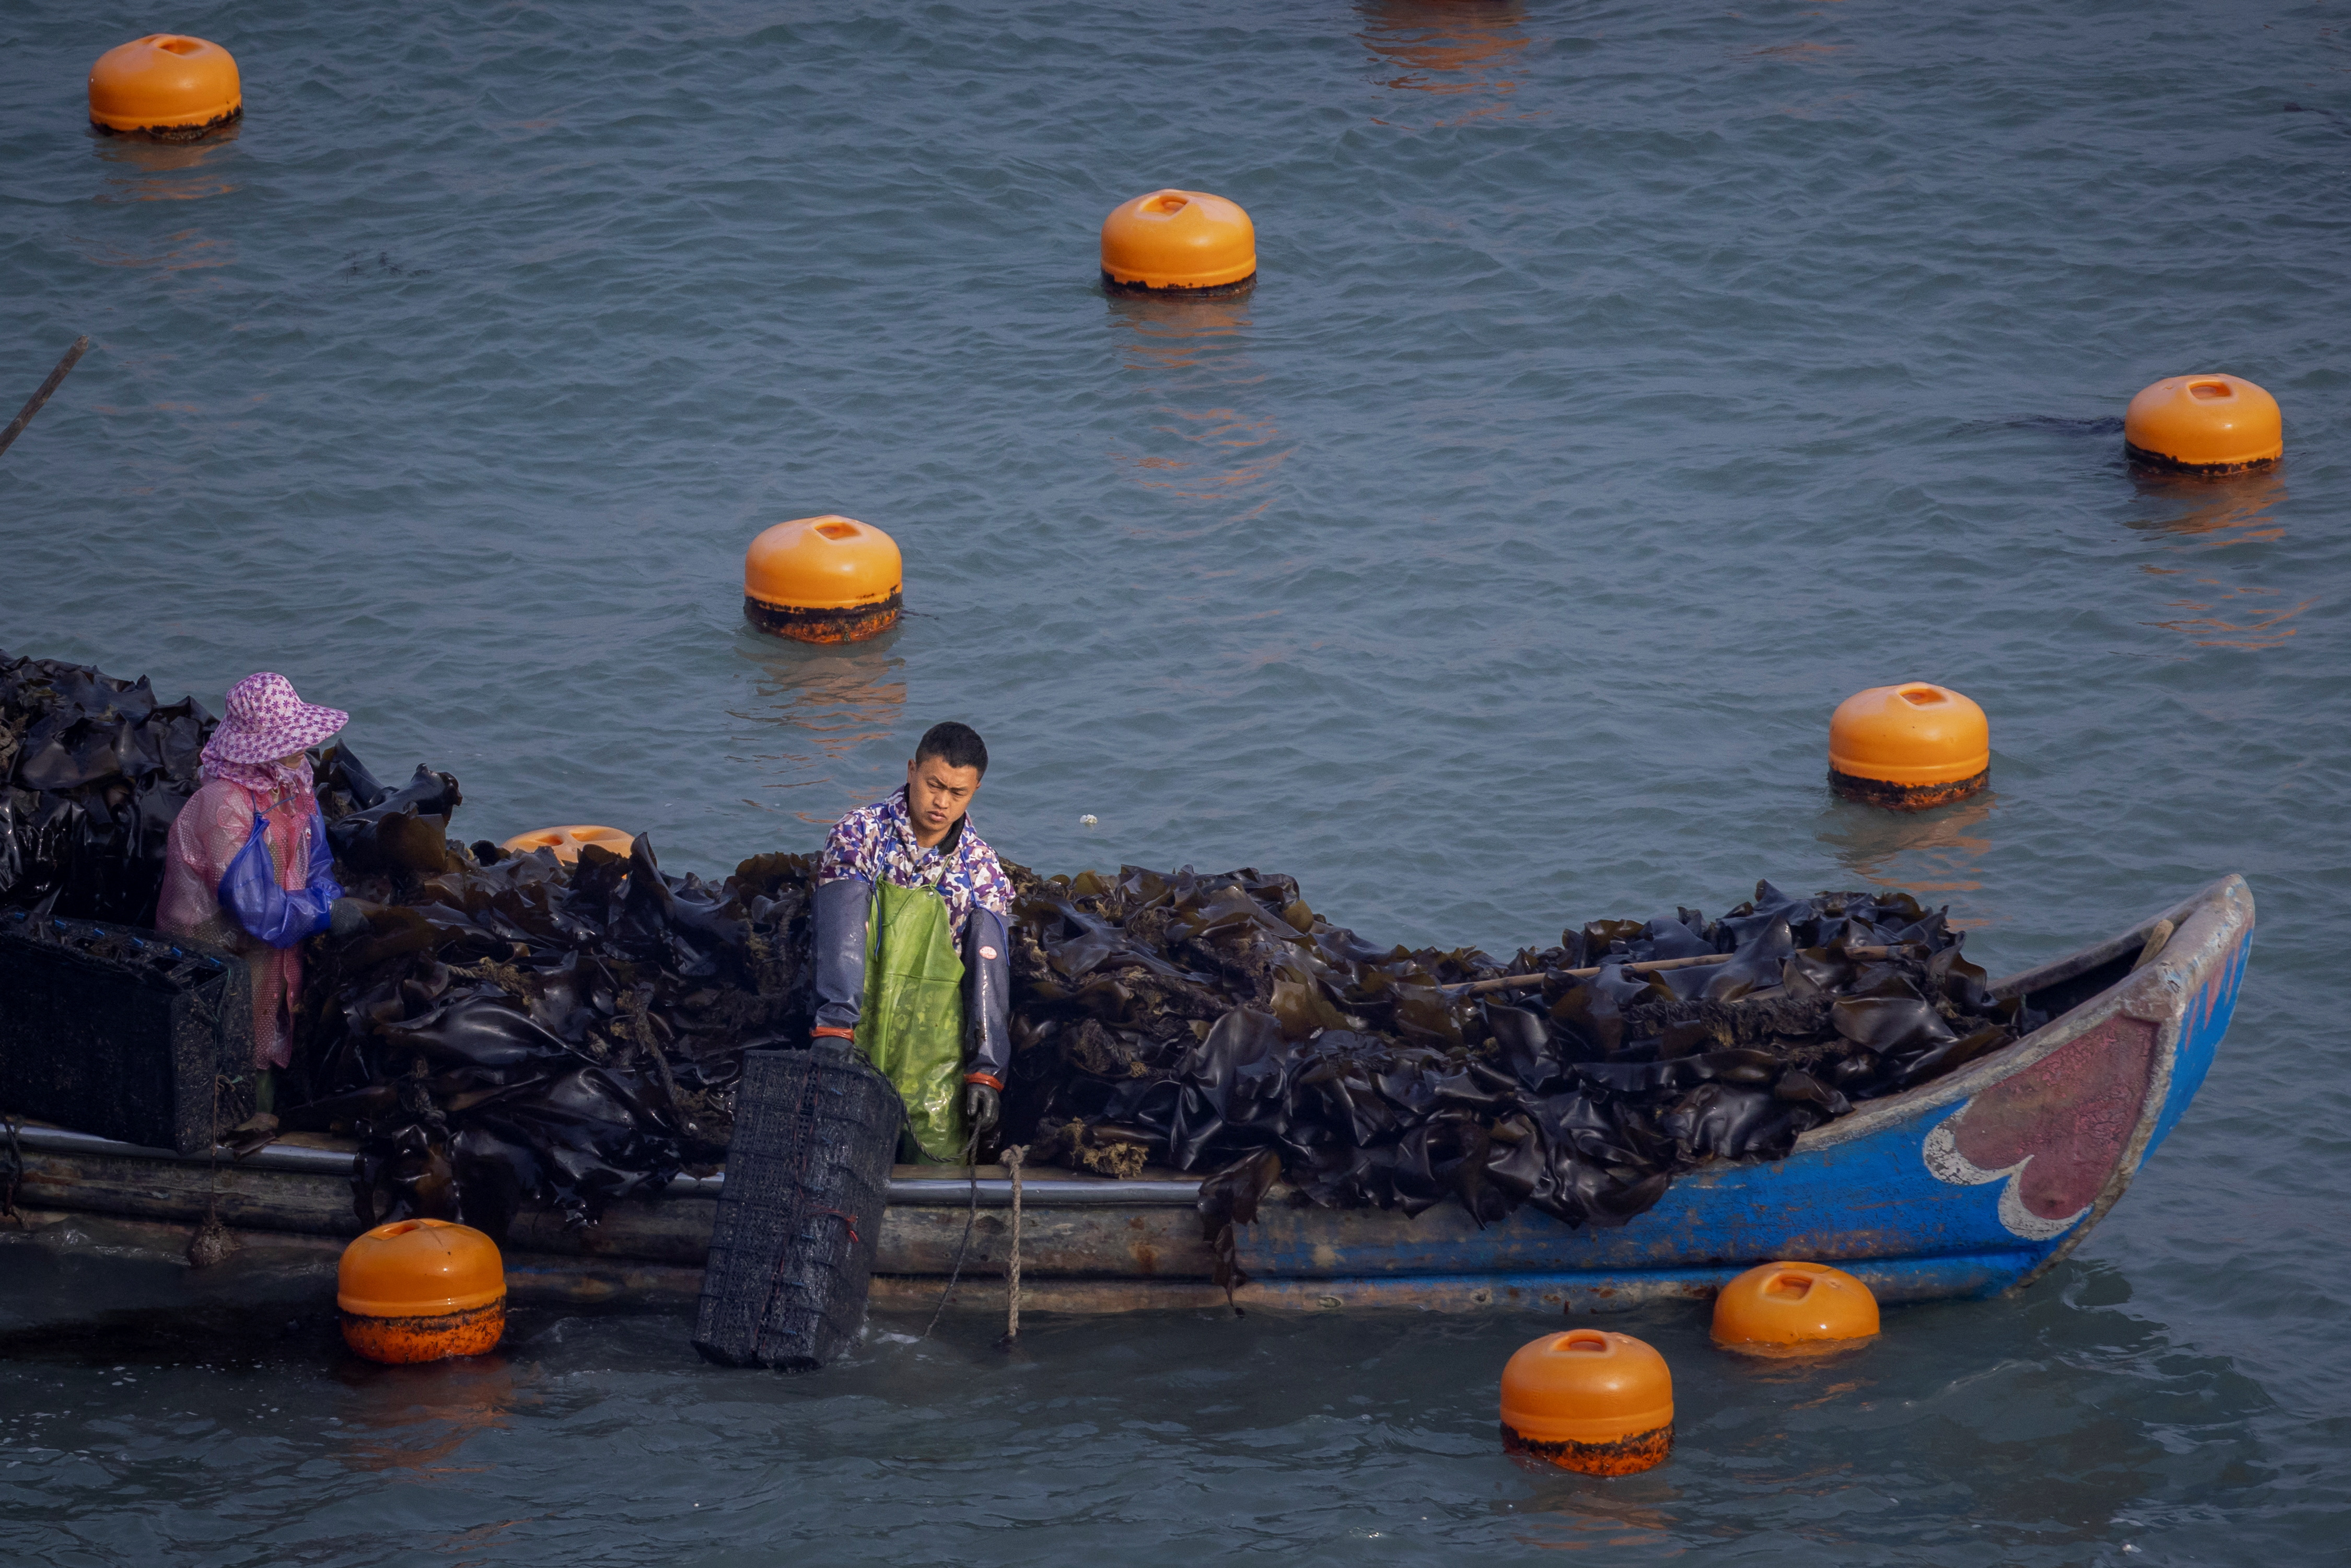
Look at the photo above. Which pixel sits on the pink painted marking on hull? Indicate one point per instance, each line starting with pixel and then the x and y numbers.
pixel 2055 1131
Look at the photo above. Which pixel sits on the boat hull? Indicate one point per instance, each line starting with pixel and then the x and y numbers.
pixel 1970 1185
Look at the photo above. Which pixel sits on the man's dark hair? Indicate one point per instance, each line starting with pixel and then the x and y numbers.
pixel 956 744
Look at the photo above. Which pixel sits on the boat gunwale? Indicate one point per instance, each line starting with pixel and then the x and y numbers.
pixel 2157 991
pixel 2160 978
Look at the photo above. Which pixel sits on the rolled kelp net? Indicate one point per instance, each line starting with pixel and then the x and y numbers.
pixel 512 1030
pixel 808 1176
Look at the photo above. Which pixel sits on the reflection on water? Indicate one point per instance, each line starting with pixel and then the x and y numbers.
pixel 2209 512
pixel 1162 336
pixel 188 250
pixel 164 170
pixel 813 706
pixel 1795 51
pixel 1447 47
pixel 1571 1513
pixel 2212 511
pixel 1206 446
pixel 416 1419
pixel 1922 852
pixel 2214 614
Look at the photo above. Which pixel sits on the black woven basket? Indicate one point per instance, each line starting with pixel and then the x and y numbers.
pixel 123 1032
pixel 808 1176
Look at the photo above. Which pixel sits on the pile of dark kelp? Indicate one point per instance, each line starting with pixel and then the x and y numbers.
pixel 1202 1021
pixel 92 772
pixel 513 1031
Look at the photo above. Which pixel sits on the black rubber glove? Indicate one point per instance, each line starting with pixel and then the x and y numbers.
pixel 981 1106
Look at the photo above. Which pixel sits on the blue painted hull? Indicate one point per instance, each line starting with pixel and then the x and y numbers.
pixel 1967 1186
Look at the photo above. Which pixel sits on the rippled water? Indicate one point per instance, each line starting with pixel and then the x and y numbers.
pixel 1624 386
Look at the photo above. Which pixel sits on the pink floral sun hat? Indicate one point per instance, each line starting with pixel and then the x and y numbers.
pixel 266 721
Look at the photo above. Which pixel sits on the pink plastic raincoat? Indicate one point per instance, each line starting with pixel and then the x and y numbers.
pixel 211 829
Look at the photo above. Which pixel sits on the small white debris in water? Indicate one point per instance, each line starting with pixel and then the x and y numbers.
pixel 1087 821
pixel 2128 1547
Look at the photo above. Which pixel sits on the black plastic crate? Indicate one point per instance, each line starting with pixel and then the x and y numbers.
pixel 123 1032
pixel 808 1176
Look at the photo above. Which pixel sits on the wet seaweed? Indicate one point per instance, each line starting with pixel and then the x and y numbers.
pixel 93 772
pixel 527 1033
pixel 512 1032
pixel 1206 1020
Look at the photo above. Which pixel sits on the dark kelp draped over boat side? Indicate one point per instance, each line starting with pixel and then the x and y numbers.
pixel 513 1031
pixel 95 770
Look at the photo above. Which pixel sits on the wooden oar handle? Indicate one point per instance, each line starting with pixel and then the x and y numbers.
pixel 1647 966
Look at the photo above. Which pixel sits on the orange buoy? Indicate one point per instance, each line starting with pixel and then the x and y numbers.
pixel 568 841
pixel 422 1289
pixel 824 579
pixel 1794 1309
pixel 1908 746
pixel 1184 242
pixel 164 86
pixel 2206 425
pixel 1591 1401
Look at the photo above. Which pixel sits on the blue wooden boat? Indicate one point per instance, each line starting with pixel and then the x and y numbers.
pixel 1973 1184
pixel 1970 1185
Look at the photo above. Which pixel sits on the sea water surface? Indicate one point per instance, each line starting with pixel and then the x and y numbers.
pixel 1626 386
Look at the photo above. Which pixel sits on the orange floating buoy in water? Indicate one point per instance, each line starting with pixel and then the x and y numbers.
pixel 1908 746
pixel 2206 425
pixel 1794 1309
pixel 824 579
pixel 1178 242
pixel 1590 1401
pixel 166 86
pixel 568 841
pixel 422 1289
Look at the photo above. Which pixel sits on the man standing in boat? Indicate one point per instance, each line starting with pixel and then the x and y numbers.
pixel 911 956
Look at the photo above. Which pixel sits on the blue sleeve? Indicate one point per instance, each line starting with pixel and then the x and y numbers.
pixel 322 863
pixel 249 892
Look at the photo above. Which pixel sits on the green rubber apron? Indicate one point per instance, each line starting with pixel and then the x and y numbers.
pixel 912 1025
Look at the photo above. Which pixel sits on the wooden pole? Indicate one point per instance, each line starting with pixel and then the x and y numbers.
pixel 1648 967
pixel 32 404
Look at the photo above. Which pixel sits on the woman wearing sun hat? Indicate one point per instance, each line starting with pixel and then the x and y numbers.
pixel 248 867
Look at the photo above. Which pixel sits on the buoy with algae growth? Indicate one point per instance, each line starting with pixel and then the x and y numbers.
pixel 824 579
pixel 165 87
pixel 1908 746
pixel 1591 1401
pixel 2204 424
pixel 1794 1309
pixel 1178 242
pixel 568 841
pixel 422 1289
